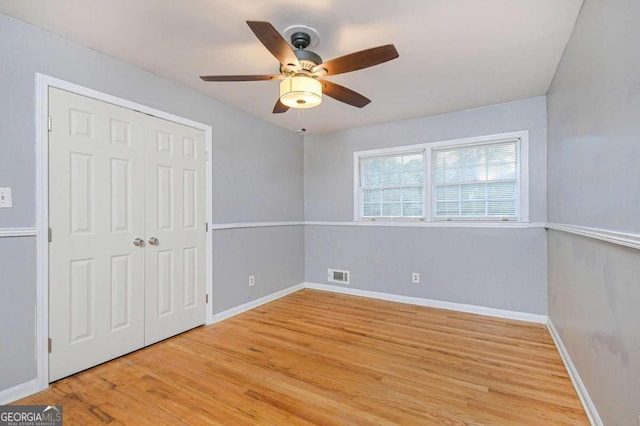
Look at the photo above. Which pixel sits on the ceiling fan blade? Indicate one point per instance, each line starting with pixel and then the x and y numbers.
pixel 241 77
pixel 274 43
pixel 279 107
pixel 358 60
pixel 342 94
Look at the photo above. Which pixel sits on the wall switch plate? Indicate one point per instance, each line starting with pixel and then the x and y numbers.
pixel 415 278
pixel 252 280
pixel 5 198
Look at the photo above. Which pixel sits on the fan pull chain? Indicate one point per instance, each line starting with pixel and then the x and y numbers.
pixel 301 129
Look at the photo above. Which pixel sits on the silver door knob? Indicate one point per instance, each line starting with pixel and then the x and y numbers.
pixel 138 242
pixel 154 241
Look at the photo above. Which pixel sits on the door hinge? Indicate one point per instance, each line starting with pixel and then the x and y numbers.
pixel 206 299
pixel 50 233
pixel 206 227
pixel 49 344
pixel 49 125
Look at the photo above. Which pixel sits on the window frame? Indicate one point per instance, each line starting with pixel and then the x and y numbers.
pixel 389 153
pixel 522 206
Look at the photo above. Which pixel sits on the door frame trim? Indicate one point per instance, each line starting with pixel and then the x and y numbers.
pixel 43 82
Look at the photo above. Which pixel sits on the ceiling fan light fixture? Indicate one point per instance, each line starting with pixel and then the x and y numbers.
pixel 300 91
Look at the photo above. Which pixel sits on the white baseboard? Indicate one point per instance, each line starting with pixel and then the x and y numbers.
pixel 460 307
pixel 19 391
pixel 221 316
pixel 472 309
pixel 579 386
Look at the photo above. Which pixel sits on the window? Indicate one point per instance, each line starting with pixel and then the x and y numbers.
pixel 392 186
pixel 482 178
pixel 476 181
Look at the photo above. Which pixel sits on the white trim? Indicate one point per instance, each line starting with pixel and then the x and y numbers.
pixel 220 226
pixel 18 232
pixel 208 168
pixel 382 222
pixel 91 93
pixel 255 303
pixel 403 149
pixel 460 307
pixel 581 390
pixel 17 392
pixel 523 167
pixel 436 224
pixel 480 139
pixel 42 83
pixel 615 237
pixel 42 225
pixel 356 185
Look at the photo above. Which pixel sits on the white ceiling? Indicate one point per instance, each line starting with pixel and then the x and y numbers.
pixel 454 54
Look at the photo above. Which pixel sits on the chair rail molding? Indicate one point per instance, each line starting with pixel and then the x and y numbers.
pixel 622 238
pixel 18 232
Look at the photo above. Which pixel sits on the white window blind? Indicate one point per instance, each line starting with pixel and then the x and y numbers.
pixel 476 181
pixel 392 186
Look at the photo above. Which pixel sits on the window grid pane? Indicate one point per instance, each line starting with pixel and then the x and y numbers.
pixel 392 186
pixel 476 181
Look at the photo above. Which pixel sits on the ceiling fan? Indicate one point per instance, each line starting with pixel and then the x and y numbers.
pixel 301 70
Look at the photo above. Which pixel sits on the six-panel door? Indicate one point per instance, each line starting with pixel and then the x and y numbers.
pixel 119 178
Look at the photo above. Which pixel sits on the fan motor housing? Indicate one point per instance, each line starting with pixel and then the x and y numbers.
pixel 307 58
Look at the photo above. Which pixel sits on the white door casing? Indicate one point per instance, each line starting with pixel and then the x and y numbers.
pixel 117 175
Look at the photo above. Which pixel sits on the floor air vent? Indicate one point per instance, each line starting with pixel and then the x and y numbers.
pixel 338 276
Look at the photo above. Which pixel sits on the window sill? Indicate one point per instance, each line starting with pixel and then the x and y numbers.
pixel 432 224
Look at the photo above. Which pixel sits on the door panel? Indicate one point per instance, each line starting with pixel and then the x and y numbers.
pixel 121 291
pixel 175 267
pixel 81 172
pixel 82 300
pixel 96 276
pixel 120 187
pixel 164 208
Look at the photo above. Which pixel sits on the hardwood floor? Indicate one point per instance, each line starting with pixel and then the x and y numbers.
pixel 322 358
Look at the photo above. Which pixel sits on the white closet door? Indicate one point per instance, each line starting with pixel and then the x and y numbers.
pixel 96 202
pixel 175 229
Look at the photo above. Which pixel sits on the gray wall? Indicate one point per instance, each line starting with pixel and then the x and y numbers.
pixel 497 268
pixel 17 310
pixel 271 254
pixel 594 289
pixel 257 176
pixel 594 129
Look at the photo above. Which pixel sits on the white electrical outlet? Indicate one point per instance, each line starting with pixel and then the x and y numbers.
pixel 415 278
pixel 252 280
pixel 5 198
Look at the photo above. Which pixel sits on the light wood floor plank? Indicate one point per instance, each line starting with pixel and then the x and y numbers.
pixel 322 358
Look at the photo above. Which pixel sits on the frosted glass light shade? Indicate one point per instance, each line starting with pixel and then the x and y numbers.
pixel 300 92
